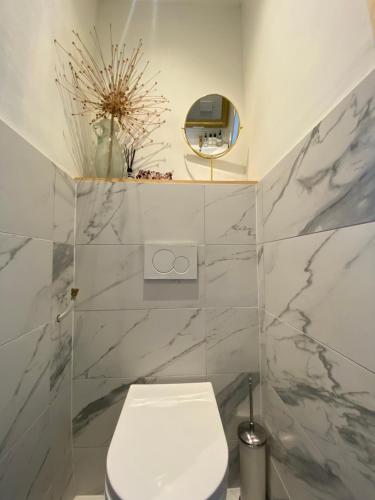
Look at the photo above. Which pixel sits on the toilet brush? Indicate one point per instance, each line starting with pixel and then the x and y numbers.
pixel 252 444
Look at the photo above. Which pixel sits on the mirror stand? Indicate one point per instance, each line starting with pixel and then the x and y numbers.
pixel 210 158
pixel 211 128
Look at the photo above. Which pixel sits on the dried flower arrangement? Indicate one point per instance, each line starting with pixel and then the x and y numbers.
pixel 113 90
pixel 152 174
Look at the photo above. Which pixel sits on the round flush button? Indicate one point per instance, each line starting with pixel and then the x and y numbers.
pixel 181 264
pixel 163 261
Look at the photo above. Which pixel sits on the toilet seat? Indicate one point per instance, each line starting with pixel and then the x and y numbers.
pixel 169 444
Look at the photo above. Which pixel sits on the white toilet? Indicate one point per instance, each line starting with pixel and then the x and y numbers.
pixel 169 444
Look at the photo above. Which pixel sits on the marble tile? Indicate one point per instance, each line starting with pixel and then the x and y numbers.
pixel 260 277
pixel 173 212
pixel 61 333
pixel 25 470
pixel 61 456
pixel 97 404
pixel 275 488
pixel 111 277
pixel 232 339
pixel 328 180
pixel 232 392
pixel 139 343
pixel 328 284
pixel 332 399
pixel 233 465
pixel 89 467
pixel 113 213
pixel 229 214
pixel 64 207
pixel 70 491
pixel 263 366
pixel 24 384
pixel 62 277
pixel 25 280
pixel 305 471
pixel 231 276
pixel 108 213
pixel 61 355
pixel 261 313
pixel 259 213
pixel 26 187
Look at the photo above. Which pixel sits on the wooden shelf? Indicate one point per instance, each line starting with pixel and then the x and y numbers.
pixel 155 181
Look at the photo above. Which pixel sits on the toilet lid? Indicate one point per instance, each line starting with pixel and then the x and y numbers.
pixel 169 444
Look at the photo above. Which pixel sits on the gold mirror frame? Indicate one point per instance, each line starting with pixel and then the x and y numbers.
pixel 213 124
pixel 221 123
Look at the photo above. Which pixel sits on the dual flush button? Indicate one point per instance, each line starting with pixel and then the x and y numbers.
pixel 169 261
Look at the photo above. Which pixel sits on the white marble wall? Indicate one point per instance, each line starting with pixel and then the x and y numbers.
pixel 130 330
pixel 36 272
pixel 316 265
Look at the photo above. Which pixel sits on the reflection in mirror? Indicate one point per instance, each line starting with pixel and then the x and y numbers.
pixel 212 126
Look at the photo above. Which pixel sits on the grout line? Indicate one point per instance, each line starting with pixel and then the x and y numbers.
pixel 317 232
pixel 280 478
pixel 74 313
pixel 188 308
pixel 73 328
pixel 199 244
pixel 23 335
pixel 163 377
pixel 17 235
pixel 36 238
pixel 359 365
pixel 259 279
pixel 177 308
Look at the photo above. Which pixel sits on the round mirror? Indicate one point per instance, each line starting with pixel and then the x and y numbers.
pixel 212 126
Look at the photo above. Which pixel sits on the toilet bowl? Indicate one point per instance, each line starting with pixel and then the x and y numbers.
pixel 169 444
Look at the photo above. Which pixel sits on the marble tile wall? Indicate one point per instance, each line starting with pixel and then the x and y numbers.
pixel 316 269
pixel 36 272
pixel 129 330
pixel 328 180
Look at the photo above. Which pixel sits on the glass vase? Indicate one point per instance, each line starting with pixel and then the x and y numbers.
pixel 109 161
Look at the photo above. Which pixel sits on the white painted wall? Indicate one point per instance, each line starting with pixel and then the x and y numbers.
pixel 300 58
pixel 197 47
pixel 29 100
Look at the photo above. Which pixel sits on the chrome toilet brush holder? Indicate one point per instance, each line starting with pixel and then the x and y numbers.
pixel 252 444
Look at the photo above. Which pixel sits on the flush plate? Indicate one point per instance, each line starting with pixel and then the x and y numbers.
pixel 166 261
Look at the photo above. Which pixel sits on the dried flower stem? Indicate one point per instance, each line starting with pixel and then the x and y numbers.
pixel 114 90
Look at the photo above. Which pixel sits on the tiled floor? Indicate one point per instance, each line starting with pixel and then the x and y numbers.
pixel 89 497
pixel 233 494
